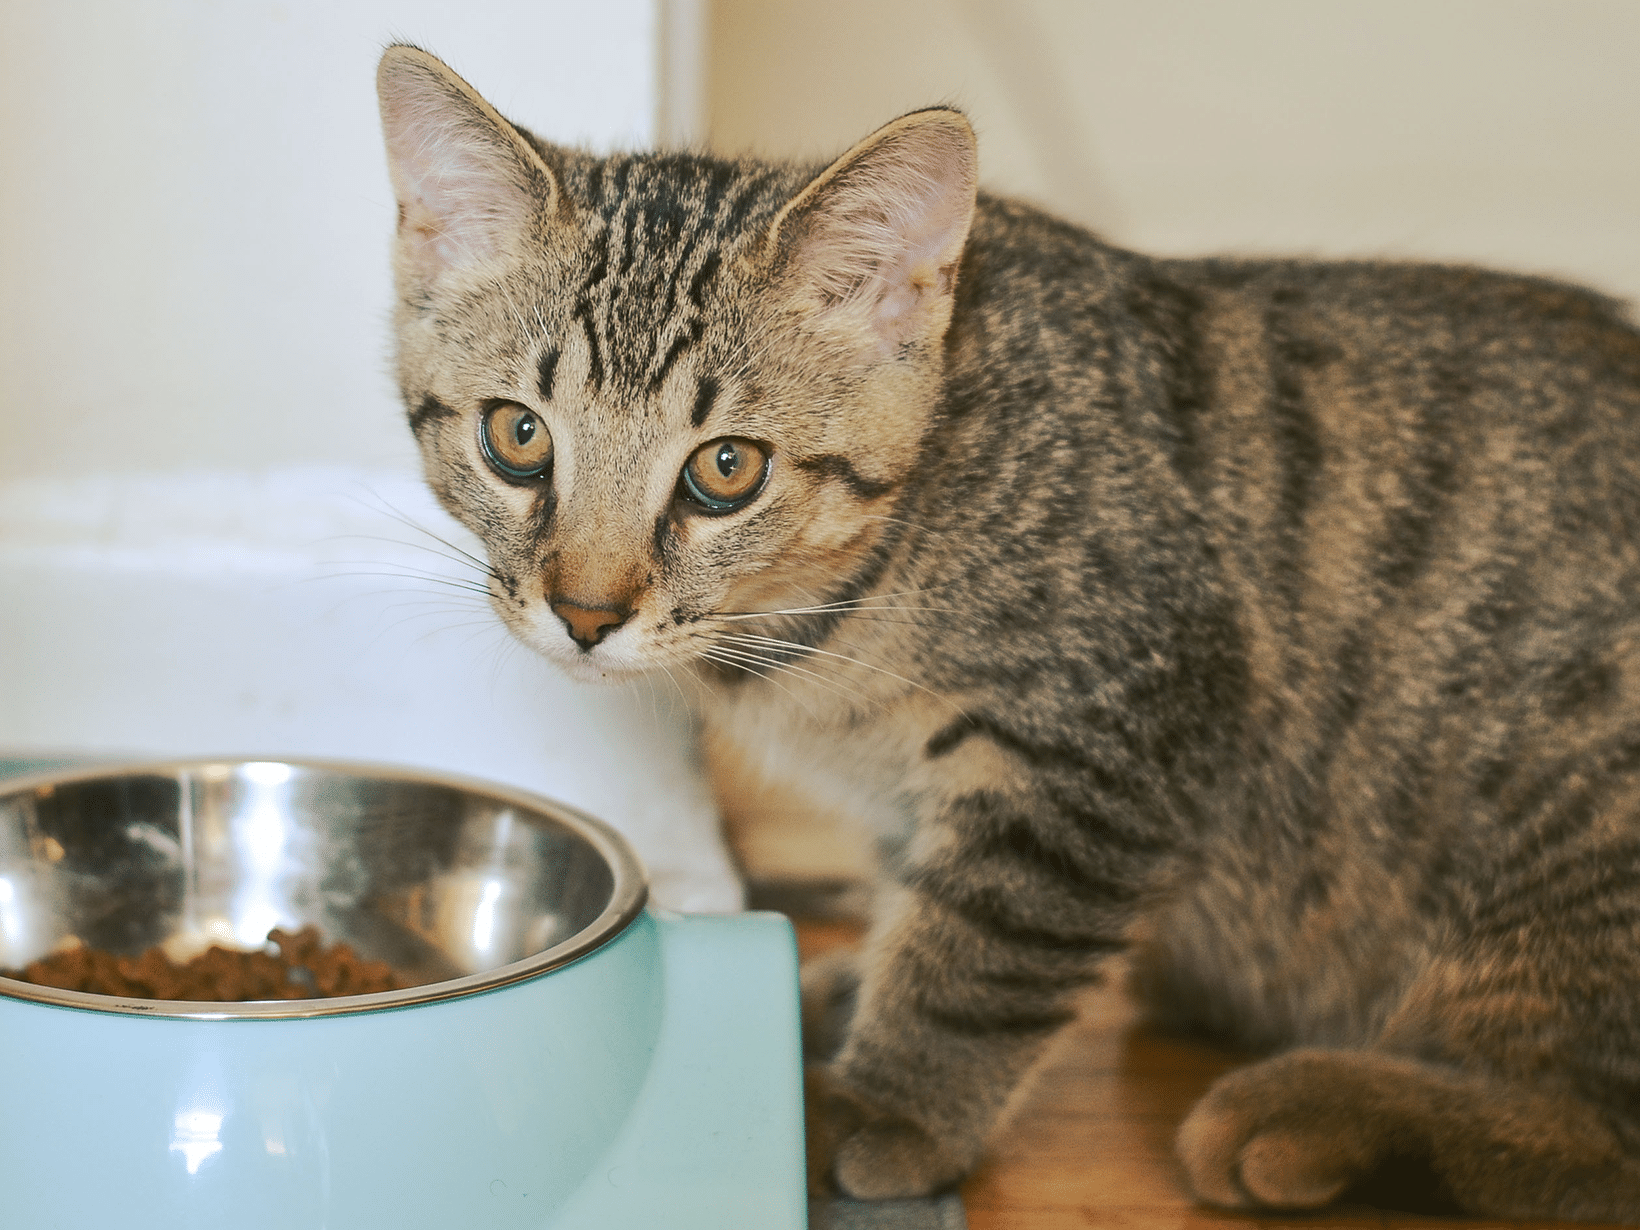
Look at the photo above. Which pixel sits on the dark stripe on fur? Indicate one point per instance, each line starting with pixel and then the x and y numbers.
pixel 1295 432
pixel 702 279
pixel 1429 482
pixel 629 247
pixel 662 536
pixel 992 910
pixel 1585 680
pixel 583 312
pixel 544 371
pixel 542 513
pixel 742 208
pixel 595 362
pixel 719 178
pixel 428 409
pixel 1096 821
pixel 974 1021
pixel 1028 981
pixel 1172 313
pixel 1040 754
pixel 1016 841
pixel 836 466
pixel 706 391
pixel 685 339
pixel 600 265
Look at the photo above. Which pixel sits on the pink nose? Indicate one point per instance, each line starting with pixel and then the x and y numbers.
pixel 589 624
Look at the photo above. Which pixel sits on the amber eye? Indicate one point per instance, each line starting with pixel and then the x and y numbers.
pixel 725 474
pixel 515 441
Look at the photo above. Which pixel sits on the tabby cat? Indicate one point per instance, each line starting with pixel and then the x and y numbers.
pixel 1274 622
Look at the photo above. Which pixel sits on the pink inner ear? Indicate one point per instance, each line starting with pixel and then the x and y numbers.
pixel 884 238
pixel 922 272
pixel 458 181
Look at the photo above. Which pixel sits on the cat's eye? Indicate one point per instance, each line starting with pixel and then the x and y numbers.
pixel 515 441
pixel 725 474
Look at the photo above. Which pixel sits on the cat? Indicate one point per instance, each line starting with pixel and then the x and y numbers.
pixel 1276 623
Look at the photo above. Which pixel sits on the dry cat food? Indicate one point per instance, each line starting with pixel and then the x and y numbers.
pixel 303 968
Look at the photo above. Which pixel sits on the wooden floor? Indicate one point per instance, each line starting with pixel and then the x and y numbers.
pixel 1091 1143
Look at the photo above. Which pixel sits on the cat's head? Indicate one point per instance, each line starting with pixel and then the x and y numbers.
pixel 665 389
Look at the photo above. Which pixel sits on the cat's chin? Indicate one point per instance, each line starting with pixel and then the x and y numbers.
pixel 593 667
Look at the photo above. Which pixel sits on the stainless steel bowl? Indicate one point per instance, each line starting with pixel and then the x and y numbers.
pixel 459 886
pixel 567 1057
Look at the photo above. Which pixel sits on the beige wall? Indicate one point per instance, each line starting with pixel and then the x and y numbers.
pixel 1499 131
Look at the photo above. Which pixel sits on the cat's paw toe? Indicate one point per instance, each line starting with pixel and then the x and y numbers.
pixel 1256 1140
pixel 1209 1144
pixel 869 1153
pixel 1288 1170
pixel 891 1159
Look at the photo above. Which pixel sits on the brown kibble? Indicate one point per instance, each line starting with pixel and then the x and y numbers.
pixel 303 969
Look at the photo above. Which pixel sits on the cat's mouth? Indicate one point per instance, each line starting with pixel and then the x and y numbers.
pixel 616 658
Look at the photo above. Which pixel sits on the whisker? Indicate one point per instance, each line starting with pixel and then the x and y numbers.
pixel 846 605
pixel 832 685
pixel 501 654
pixel 479 626
pixel 862 611
pixel 711 656
pixel 910 525
pixel 452 582
pixel 407 570
pixel 459 557
pixel 433 612
pixel 676 686
pixel 841 657
pixel 410 522
pixel 418 590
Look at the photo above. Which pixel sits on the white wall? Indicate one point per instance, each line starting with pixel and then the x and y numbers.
pixel 1499 131
pixel 194 227
pixel 195 213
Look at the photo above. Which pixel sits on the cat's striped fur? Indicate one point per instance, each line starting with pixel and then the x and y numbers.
pixel 1279 622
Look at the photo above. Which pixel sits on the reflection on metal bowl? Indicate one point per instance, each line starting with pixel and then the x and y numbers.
pixel 564 1057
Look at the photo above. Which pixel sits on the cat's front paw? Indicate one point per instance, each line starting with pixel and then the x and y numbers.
pixel 870 1153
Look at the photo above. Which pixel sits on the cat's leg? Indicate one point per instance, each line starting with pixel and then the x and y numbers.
pixel 947 1023
pixel 1297 1131
pixel 1022 874
pixel 1003 912
pixel 831 990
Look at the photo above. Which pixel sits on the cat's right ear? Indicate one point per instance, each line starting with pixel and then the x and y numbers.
pixel 468 184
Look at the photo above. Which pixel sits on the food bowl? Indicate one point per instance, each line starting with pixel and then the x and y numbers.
pixel 560 1056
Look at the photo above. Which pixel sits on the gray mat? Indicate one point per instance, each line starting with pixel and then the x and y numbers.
pixel 940 1213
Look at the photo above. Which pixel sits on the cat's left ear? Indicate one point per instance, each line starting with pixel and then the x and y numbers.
pixel 871 247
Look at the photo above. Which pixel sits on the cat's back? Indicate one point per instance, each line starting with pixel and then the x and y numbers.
pixel 1348 440
pixel 1298 376
pixel 1026 272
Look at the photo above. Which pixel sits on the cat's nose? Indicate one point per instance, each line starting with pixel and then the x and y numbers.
pixel 590 624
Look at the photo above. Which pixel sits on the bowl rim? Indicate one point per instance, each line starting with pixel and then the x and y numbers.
pixel 628 896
